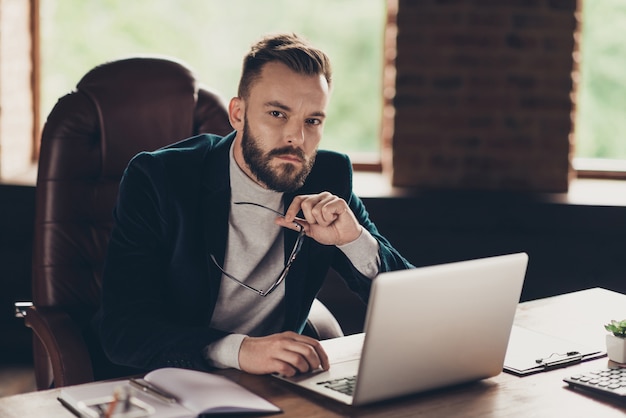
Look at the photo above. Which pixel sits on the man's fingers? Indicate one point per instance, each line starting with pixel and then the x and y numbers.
pixel 287 353
pixel 294 208
pixel 297 224
pixel 322 209
pixel 319 351
pixel 302 353
pixel 328 218
pixel 312 353
pixel 284 369
pixel 326 210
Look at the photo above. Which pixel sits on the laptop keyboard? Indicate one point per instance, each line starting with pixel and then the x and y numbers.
pixel 606 380
pixel 344 385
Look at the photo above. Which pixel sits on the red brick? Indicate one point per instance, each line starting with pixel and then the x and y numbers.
pixel 483 95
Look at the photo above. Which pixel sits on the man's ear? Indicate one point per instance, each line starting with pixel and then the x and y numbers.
pixel 236 112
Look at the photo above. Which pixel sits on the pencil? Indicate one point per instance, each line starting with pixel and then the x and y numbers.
pixel 113 403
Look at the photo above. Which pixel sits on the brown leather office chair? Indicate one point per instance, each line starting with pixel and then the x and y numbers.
pixel 117 110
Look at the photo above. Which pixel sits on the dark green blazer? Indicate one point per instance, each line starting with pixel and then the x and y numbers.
pixel 160 286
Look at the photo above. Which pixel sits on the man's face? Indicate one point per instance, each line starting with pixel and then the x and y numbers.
pixel 279 127
pixel 281 177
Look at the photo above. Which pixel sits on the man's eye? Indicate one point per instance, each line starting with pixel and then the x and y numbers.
pixel 276 113
pixel 313 122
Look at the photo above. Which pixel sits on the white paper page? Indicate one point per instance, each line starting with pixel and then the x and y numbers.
pixel 86 393
pixel 344 349
pixel 527 346
pixel 208 393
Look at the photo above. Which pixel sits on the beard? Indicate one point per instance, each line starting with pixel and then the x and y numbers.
pixel 282 178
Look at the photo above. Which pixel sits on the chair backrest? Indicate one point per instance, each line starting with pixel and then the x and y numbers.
pixel 117 110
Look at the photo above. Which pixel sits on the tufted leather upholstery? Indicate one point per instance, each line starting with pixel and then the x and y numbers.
pixel 117 110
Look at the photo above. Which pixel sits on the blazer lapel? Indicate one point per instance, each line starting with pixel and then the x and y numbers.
pixel 215 192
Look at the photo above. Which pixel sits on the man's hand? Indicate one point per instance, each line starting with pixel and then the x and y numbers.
pixel 327 219
pixel 286 353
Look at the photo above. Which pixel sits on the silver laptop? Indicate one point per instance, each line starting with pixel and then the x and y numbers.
pixel 425 328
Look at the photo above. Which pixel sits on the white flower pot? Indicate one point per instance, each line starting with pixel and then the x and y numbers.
pixel 616 348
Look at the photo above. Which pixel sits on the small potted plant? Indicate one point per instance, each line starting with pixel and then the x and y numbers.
pixel 616 341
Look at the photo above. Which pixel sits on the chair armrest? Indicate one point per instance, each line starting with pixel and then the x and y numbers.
pixel 322 323
pixel 63 342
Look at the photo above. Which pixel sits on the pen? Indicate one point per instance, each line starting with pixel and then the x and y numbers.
pixel 572 357
pixel 149 388
pixel 69 407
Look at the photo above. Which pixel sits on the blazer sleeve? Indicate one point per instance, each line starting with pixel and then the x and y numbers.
pixel 140 325
pixel 390 258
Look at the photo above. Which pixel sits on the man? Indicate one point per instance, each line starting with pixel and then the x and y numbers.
pixel 203 269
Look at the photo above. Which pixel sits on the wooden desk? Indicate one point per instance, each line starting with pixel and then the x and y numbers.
pixel 578 316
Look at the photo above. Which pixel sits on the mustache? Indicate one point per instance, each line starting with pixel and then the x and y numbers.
pixel 297 152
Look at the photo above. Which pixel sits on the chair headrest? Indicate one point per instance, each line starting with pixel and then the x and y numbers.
pixel 142 104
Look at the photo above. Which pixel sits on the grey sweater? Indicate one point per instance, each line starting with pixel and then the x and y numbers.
pixel 255 255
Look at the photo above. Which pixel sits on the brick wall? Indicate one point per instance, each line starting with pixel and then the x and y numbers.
pixel 16 102
pixel 482 94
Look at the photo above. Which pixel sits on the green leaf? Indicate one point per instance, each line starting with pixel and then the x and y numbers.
pixel 618 328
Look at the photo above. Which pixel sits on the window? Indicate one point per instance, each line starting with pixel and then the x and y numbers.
pixel 212 36
pixel 77 35
pixel 600 119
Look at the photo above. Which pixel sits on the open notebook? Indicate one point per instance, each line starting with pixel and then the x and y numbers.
pixel 425 328
pixel 180 393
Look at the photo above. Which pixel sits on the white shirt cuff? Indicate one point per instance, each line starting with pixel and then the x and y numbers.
pixel 224 353
pixel 363 254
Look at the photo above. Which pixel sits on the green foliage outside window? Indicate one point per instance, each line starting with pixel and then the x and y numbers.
pixel 212 36
pixel 600 124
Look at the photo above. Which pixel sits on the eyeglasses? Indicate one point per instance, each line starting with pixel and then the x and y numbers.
pixel 294 252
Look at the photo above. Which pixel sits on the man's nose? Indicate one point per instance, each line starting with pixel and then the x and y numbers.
pixel 295 133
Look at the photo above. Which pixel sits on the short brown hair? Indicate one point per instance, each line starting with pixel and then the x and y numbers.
pixel 289 49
